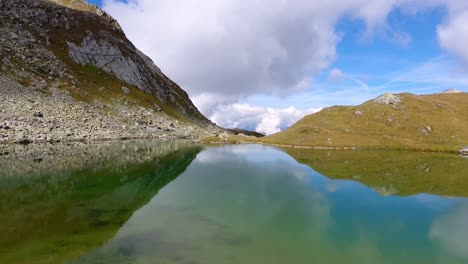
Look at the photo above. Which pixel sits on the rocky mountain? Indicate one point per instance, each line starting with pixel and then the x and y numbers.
pixel 240 132
pixel 68 72
pixel 395 121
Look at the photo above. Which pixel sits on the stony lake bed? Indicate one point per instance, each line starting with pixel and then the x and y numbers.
pixel 178 202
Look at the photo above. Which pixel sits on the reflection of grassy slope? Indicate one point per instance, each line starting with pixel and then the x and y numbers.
pixel 385 126
pixel 51 220
pixel 392 172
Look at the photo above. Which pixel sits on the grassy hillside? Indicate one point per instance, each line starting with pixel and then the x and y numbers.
pixel 424 122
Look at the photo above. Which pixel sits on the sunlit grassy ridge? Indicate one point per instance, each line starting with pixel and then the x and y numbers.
pixel 424 122
pixel 81 5
pixel 391 172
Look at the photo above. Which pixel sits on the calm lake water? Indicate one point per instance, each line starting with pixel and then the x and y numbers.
pixel 173 202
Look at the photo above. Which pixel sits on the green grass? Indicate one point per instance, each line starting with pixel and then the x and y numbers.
pixel 385 126
pixel 75 4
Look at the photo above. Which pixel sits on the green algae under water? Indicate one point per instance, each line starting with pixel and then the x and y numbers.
pixel 174 202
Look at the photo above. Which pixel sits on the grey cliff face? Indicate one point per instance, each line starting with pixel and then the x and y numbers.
pixel 135 68
pixel 104 55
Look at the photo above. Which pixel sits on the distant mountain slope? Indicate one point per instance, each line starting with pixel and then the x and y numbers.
pixel 402 121
pixel 75 55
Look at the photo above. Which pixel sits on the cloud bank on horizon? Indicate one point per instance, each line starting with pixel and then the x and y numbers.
pixel 224 53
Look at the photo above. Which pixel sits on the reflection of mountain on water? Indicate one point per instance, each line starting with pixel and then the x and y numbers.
pixel 51 214
pixel 392 172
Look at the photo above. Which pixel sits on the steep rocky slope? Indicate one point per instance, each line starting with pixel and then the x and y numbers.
pixel 68 72
pixel 402 121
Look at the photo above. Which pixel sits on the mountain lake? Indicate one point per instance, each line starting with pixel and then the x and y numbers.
pixel 178 202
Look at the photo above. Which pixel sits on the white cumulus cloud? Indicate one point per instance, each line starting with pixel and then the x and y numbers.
pixel 221 51
pixel 261 119
pixel 234 48
pixel 453 35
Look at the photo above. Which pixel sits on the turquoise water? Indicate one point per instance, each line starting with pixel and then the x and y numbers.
pixel 237 204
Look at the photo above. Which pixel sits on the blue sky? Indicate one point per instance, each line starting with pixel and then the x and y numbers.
pixel 280 60
pixel 95 2
pixel 381 64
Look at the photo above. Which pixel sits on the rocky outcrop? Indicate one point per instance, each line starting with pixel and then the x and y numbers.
pixel 388 99
pixel 135 69
pixel 105 56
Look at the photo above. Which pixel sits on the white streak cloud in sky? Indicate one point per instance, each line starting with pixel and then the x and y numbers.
pixel 223 51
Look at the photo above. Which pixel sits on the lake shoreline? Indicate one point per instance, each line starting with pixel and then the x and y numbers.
pixel 200 140
pixel 26 142
pixel 354 148
pixel 361 148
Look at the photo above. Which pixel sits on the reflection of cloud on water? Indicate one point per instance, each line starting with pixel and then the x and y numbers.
pixel 225 153
pixel 300 174
pixel 332 186
pixel 435 202
pixel 450 231
pixel 246 152
pixel 234 203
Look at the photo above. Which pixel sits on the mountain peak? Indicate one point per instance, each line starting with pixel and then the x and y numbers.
pixel 451 91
